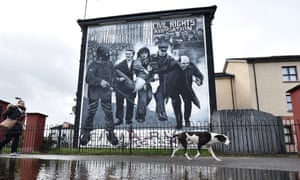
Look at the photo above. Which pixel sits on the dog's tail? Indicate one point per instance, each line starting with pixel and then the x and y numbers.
pixel 172 134
pixel 175 135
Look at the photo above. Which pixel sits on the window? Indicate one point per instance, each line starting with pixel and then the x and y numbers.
pixel 288 136
pixel 289 102
pixel 289 73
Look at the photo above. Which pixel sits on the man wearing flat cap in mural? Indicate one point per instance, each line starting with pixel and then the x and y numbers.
pixel 99 77
pixel 161 64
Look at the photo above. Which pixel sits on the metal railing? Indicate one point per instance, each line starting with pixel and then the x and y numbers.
pixel 245 138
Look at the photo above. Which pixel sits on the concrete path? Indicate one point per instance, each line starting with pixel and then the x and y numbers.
pixel 265 163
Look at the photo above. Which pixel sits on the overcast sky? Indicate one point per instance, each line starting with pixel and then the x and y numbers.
pixel 40 41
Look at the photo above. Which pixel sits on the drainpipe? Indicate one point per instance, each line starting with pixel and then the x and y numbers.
pixel 255 84
pixel 232 93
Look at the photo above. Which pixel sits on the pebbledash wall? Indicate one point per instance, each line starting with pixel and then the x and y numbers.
pixel 35 125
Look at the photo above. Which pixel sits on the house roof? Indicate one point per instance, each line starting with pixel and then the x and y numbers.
pixel 268 58
pixel 37 113
pixel 293 89
pixel 208 11
pixel 265 59
pixel 2 101
pixel 223 75
pixel 64 125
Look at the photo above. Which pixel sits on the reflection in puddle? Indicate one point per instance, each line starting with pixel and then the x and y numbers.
pixel 28 169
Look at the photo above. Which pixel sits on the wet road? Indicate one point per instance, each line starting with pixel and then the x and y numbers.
pixel 291 163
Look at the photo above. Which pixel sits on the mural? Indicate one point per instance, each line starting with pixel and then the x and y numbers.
pixel 146 73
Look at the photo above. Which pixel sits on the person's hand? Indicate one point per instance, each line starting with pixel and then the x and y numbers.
pixel 156 76
pixel 199 81
pixel 121 79
pixel 149 68
pixel 104 84
pixel 23 125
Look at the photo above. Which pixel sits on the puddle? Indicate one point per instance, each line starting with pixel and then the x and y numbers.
pixel 29 169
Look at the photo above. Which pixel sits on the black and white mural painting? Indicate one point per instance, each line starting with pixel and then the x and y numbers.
pixel 144 73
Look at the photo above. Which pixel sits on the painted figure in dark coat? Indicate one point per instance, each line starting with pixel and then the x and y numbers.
pixel 161 63
pixel 180 84
pixel 128 94
pixel 143 86
pixel 99 77
pixel 14 112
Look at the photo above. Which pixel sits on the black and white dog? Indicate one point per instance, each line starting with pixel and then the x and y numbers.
pixel 202 140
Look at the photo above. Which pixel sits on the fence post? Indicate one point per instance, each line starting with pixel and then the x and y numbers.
pixel 130 130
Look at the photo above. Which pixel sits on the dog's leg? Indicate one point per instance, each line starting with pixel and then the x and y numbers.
pixel 198 152
pixel 187 156
pixel 197 155
pixel 186 153
pixel 176 149
pixel 212 153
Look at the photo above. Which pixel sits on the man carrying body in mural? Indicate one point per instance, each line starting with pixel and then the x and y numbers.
pixel 143 86
pixel 99 78
pixel 161 63
pixel 180 84
pixel 124 71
